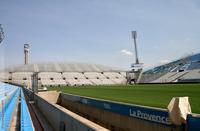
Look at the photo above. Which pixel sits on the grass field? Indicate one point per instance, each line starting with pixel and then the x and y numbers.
pixel 149 95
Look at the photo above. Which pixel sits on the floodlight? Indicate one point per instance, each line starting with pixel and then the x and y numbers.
pixel 134 34
pixel 1 34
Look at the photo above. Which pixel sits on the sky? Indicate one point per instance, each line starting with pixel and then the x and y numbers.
pixel 99 31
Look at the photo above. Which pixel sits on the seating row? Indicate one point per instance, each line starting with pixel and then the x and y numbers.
pixel 66 78
pixel 189 76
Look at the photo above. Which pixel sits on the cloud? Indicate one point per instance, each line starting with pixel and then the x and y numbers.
pixel 127 52
pixel 165 61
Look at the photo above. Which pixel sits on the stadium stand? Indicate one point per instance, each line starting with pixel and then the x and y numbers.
pixel 64 74
pixel 9 95
pixel 73 75
pixel 94 75
pixel 51 78
pixel 76 78
pixel 84 82
pixel 107 82
pixel 181 70
pixel 170 77
pixel 8 98
pixel 113 75
pixel 22 78
pixel 96 81
pixel 193 75
pixel 77 74
pixel 4 76
pixel 119 81
pixel 123 74
pixel 72 82
pixel 117 78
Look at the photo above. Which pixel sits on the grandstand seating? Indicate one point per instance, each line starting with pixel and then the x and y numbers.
pixel 49 75
pixel 62 74
pixel 116 78
pixel 148 77
pixel 84 82
pixel 73 75
pixel 75 78
pixel 170 77
pixel 72 82
pixel 194 65
pixel 123 74
pixel 8 98
pixel 94 75
pixel 6 90
pixel 22 75
pixel 174 71
pixel 96 81
pixel 26 83
pixel 9 95
pixel 119 81
pixel 193 75
pixel 51 79
pixel 66 78
pixel 4 76
pixel 22 78
pixel 113 75
pixel 107 82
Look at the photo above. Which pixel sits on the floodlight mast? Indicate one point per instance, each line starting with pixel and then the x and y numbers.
pixel 134 75
pixel 134 36
pixel 26 53
pixel 1 34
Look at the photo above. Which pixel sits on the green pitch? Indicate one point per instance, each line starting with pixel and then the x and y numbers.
pixel 149 95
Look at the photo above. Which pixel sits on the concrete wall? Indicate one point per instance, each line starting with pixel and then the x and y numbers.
pixel 64 111
pixel 110 120
pixel 62 119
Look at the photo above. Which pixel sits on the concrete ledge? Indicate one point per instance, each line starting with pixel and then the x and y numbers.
pixel 50 96
pixel 63 119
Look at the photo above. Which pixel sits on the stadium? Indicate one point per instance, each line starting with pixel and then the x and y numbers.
pixel 42 95
pixel 76 74
pixel 98 91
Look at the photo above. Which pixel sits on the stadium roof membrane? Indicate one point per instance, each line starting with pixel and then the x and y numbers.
pixel 61 67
